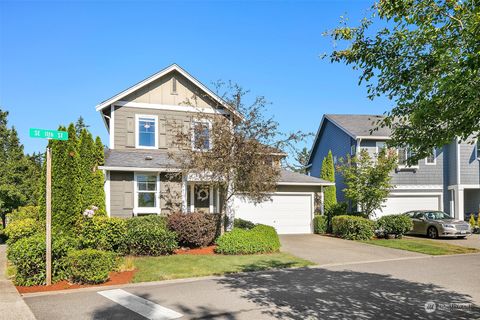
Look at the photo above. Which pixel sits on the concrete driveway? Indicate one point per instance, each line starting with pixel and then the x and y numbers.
pixel 325 250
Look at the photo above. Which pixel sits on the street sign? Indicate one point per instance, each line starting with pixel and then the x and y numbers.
pixel 48 134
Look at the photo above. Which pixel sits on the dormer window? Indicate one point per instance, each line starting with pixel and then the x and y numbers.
pixel 146 132
pixel 201 136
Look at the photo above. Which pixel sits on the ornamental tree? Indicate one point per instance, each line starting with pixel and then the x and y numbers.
pixel 423 55
pixel 368 182
pixel 328 173
pixel 240 154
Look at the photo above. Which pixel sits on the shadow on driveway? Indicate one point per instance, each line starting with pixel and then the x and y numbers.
pixel 325 294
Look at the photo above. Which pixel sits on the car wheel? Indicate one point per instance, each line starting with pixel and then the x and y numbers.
pixel 432 233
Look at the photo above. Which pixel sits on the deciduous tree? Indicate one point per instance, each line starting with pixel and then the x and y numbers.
pixel 424 55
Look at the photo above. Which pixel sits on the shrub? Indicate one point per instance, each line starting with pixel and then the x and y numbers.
pixel 352 227
pixel 260 239
pixel 194 229
pixel 28 257
pixel 160 221
pixel 23 213
pixel 335 210
pixel 243 224
pixel 19 229
pixel 394 224
pixel 103 233
pixel 472 221
pixel 90 265
pixel 320 224
pixel 147 236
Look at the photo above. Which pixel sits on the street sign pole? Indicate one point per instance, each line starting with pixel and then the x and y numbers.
pixel 50 135
pixel 49 216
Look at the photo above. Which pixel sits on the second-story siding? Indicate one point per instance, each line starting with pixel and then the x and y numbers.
pixel 334 139
pixel 469 164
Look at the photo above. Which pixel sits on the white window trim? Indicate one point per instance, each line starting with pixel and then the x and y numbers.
pixel 209 123
pixel 136 208
pixel 434 158
pixel 137 131
pixel 402 166
pixel 377 146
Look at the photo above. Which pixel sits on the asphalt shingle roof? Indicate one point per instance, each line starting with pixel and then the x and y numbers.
pixel 159 159
pixel 359 124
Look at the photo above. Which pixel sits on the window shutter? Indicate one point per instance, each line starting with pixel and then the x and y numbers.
pixel 162 133
pixel 130 132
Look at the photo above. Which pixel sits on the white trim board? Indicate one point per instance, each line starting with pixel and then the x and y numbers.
pixel 138 169
pixel 169 107
pixel 418 187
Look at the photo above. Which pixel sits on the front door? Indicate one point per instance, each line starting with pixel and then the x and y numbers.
pixel 202 198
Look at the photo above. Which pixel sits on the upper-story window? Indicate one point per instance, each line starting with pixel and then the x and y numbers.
pixel 432 158
pixel 201 135
pixel 403 155
pixel 478 148
pixel 146 131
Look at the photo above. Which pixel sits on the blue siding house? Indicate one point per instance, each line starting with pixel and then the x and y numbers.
pixel 448 180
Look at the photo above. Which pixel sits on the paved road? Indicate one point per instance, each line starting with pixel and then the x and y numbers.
pixel 396 289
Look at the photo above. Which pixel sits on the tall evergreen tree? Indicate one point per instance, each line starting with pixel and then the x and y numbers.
pixel 328 173
pixel 18 174
pixel 98 177
pixel 80 125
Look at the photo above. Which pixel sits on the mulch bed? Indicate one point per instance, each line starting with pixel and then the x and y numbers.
pixel 115 278
pixel 210 250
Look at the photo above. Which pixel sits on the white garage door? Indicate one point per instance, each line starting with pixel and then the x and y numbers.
pixel 288 213
pixel 401 204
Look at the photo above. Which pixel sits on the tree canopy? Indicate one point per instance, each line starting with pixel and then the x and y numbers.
pixel 423 55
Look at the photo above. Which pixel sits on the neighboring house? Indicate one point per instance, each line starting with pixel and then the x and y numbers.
pixel 449 179
pixel 142 179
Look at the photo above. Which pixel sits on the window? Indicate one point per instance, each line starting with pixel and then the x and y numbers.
pixel 403 155
pixel 174 86
pixel 146 193
pixel 201 136
pixel 146 132
pixel 353 150
pixel 478 149
pixel 432 158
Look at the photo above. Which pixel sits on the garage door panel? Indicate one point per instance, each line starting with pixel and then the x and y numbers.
pixel 288 214
pixel 401 204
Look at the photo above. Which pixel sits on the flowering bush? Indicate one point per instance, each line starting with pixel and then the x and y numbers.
pixel 90 211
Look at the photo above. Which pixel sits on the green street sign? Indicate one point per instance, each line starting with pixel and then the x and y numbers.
pixel 48 134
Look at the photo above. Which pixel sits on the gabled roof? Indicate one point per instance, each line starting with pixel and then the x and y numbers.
pixel 357 126
pixel 161 73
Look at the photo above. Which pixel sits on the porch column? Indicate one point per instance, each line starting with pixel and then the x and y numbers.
pixel 210 198
pixel 322 201
pixel 192 197
pixel 459 203
pixel 184 194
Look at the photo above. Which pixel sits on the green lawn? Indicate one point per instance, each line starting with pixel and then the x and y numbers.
pixel 186 266
pixel 425 246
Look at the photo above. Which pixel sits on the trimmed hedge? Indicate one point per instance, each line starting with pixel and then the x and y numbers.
pixel 28 257
pixel 194 229
pixel 260 239
pixel 103 233
pixel 149 236
pixel 90 266
pixel 22 228
pixel 396 224
pixel 337 209
pixel 243 224
pixel 320 224
pixel 353 227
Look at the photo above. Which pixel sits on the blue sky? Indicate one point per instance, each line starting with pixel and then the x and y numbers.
pixel 60 59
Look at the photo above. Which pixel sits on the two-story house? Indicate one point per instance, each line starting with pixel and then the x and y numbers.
pixel 448 180
pixel 141 178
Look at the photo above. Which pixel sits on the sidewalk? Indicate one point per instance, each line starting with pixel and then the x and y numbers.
pixel 12 305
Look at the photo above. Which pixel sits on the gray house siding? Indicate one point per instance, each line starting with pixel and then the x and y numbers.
pixel 469 164
pixel 452 163
pixel 121 194
pixel 425 174
pixel 335 139
pixel 169 124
